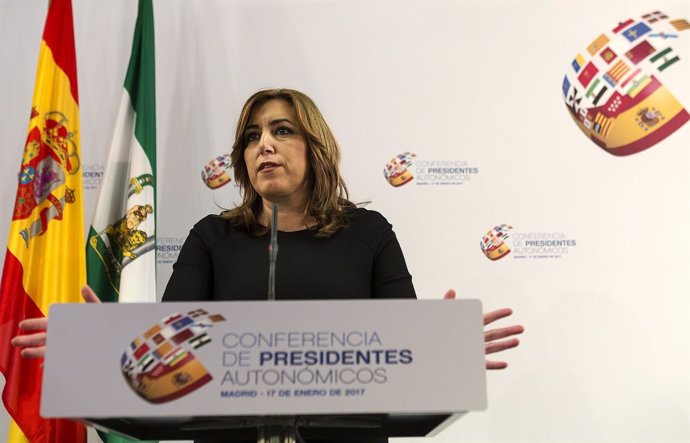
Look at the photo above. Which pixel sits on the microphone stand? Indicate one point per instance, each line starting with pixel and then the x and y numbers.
pixel 275 429
pixel 273 255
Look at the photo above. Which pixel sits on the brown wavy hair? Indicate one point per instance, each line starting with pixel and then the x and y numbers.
pixel 329 202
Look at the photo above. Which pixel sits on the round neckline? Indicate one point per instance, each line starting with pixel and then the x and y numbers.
pixel 306 229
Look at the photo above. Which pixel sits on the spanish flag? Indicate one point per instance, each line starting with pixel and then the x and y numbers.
pixel 44 261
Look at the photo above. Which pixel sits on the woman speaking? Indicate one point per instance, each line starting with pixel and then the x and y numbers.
pixel 285 156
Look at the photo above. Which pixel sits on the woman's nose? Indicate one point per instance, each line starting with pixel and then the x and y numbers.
pixel 266 144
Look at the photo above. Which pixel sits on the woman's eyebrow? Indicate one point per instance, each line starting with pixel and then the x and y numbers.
pixel 281 120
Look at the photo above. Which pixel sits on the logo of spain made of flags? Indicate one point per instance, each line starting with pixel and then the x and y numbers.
pixel 614 88
pixel 494 245
pixel 160 365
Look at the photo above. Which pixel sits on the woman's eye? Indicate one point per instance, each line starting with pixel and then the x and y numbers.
pixel 283 131
pixel 252 136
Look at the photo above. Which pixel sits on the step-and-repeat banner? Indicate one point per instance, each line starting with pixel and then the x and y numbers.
pixel 532 154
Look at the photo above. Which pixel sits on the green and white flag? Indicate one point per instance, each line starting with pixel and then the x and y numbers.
pixel 121 248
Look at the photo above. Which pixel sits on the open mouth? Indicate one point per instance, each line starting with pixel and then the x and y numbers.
pixel 267 166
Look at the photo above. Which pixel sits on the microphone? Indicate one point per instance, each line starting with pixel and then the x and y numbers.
pixel 272 255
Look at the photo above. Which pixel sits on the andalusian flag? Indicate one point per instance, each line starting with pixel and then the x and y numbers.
pixel 121 248
pixel 44 262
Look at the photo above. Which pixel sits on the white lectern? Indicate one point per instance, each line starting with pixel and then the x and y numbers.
pixel 341 369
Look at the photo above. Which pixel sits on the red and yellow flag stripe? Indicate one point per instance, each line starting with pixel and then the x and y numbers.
pixel 44 262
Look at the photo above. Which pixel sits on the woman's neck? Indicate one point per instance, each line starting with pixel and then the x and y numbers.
pixel 290 218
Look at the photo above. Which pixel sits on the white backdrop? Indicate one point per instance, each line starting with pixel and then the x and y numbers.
pixel 606 355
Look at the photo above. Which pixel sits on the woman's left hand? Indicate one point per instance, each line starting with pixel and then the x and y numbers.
pixel 496 340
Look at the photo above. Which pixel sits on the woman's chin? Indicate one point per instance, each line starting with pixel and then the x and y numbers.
pixel 281 195
pixel 274 194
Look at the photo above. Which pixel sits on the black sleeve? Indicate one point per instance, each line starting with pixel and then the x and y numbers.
pixel 390 277
pixel 192 277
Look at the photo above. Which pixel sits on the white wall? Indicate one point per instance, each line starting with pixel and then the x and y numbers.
pixel 605 356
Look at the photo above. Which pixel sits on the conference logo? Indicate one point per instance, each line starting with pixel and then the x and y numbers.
pixel 503 240
pixel 494 244
pixel 616 91
pixel 408 168
pixel 160 365
pixel 397 171
pixel 216 173
pixel 168 249
pixel 92 176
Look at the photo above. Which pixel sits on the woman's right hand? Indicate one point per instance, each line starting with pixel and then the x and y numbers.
pixel 33 341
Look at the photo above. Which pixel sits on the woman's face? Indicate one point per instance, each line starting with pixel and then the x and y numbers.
pixel 276 154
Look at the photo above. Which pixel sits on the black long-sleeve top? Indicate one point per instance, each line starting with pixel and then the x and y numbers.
pixel 221 262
